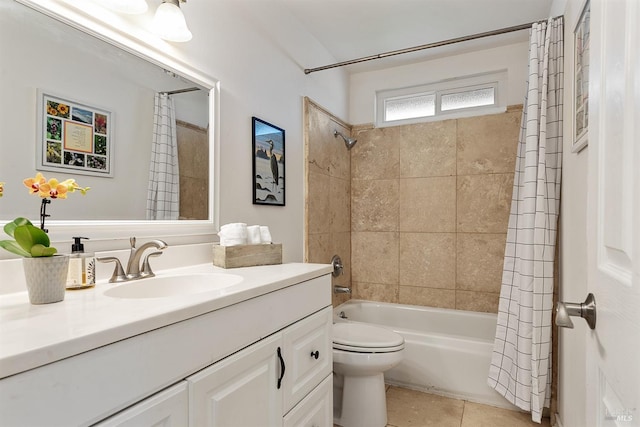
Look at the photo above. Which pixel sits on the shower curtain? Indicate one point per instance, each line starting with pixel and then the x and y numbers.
pixel 521 361
pixel 163 198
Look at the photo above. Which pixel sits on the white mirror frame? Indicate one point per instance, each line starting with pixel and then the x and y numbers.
pixel 113 29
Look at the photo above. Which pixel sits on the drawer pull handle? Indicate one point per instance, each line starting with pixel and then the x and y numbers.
pixel 315 354
pixel 281 368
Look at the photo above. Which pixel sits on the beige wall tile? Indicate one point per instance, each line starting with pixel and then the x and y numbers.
pixel 375 292
pixel 377 154
pixel 488 144
pixel 428 149
pixel 483 203
pixel 194 198
pixel 339 156
pixel 477 301
pixel 374 205
pixel 429 297
pixel 479 261
pixel 318 248
pixel 318 208
pixel 428 260
pixel 374 257
pixel 340 204
pixel 428 204
pixel 319 141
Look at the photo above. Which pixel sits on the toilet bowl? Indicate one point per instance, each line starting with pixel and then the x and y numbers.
pixel 361 355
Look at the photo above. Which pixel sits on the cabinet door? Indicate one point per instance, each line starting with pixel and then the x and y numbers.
pixel 240 391
pixel 315 410
pixel 308 356
pixel 168 408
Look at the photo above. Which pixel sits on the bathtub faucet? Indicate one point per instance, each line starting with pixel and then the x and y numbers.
pixel 341 290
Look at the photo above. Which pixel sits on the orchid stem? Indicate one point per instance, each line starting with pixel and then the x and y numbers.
pixel 43 213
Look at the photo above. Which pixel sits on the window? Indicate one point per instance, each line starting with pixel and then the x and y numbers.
pixel 461 97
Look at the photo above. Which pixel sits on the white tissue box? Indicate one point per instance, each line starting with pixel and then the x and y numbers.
pixel 247 255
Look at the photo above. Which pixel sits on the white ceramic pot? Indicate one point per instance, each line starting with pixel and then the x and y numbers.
pixel 46 278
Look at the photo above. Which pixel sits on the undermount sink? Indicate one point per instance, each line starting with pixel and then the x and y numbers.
pixel 169 286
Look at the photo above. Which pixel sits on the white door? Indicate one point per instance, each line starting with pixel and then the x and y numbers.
pixel 240 391
pixel 613 217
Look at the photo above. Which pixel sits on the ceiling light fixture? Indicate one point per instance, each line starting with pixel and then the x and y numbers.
pixel 131 7
pixel 169 22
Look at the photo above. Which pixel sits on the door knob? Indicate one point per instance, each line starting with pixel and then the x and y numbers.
pixel 586 310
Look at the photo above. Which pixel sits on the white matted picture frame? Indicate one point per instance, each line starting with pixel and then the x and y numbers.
pixel 73 136
pixel 581 39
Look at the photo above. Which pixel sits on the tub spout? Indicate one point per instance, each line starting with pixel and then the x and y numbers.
pixel 341 290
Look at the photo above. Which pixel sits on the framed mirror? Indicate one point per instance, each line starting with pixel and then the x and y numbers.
pixel 42 54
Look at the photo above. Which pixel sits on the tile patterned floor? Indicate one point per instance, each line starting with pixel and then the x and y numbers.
pixel 409 408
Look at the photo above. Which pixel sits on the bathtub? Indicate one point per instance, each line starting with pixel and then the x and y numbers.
pixel 447 352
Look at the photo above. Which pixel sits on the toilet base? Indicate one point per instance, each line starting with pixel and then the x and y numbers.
pixel 364 402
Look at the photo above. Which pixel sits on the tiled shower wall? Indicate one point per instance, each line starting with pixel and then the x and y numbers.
pixel 429 210
pixel 328 182
pixel 193 158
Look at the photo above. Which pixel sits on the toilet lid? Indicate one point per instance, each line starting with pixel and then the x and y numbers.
pixel 350 336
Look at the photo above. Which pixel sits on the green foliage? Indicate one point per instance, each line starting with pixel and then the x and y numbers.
pixel 30 241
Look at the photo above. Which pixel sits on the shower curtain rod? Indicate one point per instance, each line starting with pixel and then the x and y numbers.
pixel 424 46
pixel 173 92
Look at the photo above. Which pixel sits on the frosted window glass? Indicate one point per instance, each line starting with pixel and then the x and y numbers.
pixel 409 107
pixel 468 99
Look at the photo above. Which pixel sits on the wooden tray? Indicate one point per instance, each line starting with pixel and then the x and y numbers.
pixel 247 255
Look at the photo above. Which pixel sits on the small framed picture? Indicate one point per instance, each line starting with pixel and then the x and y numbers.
pixel 74 137
pixel 268 164
pixel 581 80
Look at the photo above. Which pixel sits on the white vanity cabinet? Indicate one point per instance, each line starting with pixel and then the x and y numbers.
pixel 260 384
pixel 168 408
pixel 220 368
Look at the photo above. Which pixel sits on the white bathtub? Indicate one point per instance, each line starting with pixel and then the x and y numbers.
pixel 447 352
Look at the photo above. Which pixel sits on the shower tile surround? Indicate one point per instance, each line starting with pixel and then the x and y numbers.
pixel 419 215
pixel 193 158
pixel 328 193
pixel 430 208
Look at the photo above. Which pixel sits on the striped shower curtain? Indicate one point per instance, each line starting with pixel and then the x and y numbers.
pixel 163 197
pixel 521 361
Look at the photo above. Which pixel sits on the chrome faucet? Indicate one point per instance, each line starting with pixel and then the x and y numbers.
pixel 133 266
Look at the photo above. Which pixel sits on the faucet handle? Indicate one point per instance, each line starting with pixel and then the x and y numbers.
pixel 146 267
pixel 118 272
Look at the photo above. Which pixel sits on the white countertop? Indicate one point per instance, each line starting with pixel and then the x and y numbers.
pixel 35 335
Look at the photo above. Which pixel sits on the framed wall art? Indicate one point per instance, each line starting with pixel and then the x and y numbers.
pixel 581 80
pixel 74 137
pixel 268 164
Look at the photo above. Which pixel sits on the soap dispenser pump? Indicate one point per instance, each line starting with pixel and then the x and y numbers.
pixel 82 266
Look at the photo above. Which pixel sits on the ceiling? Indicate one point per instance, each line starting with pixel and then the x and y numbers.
pixel 351 29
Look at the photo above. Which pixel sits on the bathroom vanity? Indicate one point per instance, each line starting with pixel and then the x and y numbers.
pixel 254 351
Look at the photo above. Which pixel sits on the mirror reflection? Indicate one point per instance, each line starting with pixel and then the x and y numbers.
pixel 147 104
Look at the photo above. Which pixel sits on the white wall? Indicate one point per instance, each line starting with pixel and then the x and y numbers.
pixel 572 388
pixel 512 58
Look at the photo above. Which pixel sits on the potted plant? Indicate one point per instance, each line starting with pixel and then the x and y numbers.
pixel 45 271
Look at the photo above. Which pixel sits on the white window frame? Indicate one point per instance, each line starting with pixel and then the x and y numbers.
pixel 496 80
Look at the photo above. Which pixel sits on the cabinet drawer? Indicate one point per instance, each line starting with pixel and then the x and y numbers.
pixel 168 408
pixel 308 356
pixel 315 410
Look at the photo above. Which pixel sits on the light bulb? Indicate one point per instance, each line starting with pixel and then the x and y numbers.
pixel 169 22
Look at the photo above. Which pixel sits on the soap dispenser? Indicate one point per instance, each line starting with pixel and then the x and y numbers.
pixel 82 266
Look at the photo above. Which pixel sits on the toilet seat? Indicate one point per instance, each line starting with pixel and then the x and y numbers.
pixel 364 338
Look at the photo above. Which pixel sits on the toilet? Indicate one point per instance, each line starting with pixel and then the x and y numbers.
pixel 361 355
